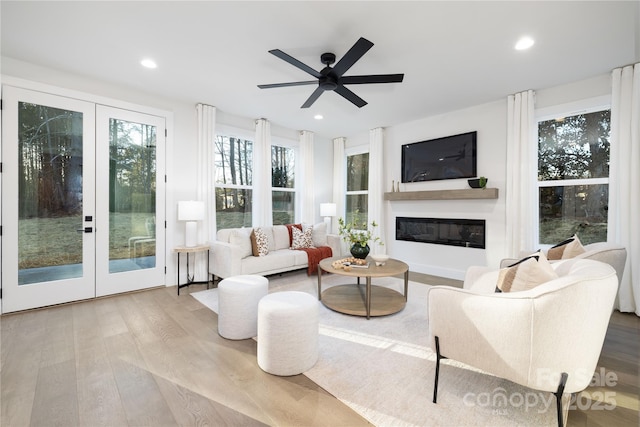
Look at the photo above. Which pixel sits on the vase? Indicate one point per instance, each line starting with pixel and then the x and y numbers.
pixel 359 251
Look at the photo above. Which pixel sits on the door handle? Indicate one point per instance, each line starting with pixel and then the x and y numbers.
pixel 85 230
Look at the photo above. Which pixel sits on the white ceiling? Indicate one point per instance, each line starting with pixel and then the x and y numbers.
pixel 453 54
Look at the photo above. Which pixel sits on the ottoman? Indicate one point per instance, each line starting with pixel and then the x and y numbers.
pixel 238 298
pixel 288 332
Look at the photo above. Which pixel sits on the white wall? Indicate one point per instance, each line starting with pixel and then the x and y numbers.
pixel 490 121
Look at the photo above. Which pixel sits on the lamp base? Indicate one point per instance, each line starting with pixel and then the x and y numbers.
pixel 327 220
pixel 191 234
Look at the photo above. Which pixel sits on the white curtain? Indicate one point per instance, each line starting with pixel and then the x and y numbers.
pixel 305 178
pixel 521 161
pixel 376 185
pixel 339 184
pixel 624 180
pixel 205 190
pixel 262 212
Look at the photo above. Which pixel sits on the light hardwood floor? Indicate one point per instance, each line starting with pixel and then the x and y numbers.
pixel 155 358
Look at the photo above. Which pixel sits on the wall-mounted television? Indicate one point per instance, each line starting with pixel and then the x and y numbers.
pixel 450 157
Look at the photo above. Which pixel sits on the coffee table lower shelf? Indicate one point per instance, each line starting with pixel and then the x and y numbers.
pixel 351 299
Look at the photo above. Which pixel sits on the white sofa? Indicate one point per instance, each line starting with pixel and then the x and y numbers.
pixel 529 337
pixel 231 253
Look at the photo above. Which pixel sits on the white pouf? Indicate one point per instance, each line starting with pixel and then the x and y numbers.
pixel 288 324
pixel 238 298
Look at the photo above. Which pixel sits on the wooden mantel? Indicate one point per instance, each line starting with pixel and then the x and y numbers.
pixel 470 193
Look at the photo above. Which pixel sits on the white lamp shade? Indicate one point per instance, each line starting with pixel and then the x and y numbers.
pixel 190 210
pixel 327 209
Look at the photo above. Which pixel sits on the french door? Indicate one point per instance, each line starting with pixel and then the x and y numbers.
pixel 82 200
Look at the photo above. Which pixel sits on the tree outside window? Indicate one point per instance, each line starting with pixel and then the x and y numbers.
pixel 233 181
pixel 283 184
pixel 357 196
pixel 573 177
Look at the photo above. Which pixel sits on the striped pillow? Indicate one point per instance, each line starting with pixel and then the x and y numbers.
pixel 526 274
pixel 567 249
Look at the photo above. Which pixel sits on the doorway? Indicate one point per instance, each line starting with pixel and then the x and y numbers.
pixel 83 197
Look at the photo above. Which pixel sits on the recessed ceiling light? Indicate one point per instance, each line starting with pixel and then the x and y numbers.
pixel 524 43
pixel 318 117
pixel 149 63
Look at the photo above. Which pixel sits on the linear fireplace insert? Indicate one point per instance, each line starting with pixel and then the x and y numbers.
pixel 469 233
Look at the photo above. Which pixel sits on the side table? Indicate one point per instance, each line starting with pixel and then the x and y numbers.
pixel 191 250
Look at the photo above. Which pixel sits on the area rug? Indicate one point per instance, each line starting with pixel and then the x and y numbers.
pixel 383 367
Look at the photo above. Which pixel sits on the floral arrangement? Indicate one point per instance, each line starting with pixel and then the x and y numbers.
pixel 357 231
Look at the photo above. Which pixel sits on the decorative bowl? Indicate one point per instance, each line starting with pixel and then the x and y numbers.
pixel 380 259
pixel 475 183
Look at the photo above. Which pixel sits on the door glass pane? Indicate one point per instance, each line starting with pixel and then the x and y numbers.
pixel 132 196
pixel 50 193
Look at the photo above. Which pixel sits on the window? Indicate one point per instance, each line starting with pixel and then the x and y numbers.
pixel 283 184
pixel 573 177
pixel 233 181
pixel 357 195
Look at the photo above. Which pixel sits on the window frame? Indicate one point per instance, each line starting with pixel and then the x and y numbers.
pixel 585 106
pixel 348 152
pixel 295 145
pixel 232 132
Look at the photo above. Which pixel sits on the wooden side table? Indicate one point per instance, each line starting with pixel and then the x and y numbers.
pixel 191 250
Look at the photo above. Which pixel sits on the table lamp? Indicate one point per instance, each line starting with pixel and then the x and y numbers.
pixel 191 211
pixel 328 210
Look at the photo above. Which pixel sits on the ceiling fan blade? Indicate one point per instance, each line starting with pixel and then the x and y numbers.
pixel 293 61
pixel 357 50
pixel 350 96
pixel 378 78
pixel 315 95
pixel 272 85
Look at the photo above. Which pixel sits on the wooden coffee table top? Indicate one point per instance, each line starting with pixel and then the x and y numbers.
pixel 391 267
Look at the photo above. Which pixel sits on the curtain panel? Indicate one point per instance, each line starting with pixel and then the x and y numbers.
pixel 339 182
pixel 521 161
pixel 305 178
pixel 624 180
pixel 205 186
pixel 262 213
pixel 376 185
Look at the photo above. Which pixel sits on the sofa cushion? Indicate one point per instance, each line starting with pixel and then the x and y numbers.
pixel 319 234
pixel 240 237
pixel 280 237
pixel 259 242
pixel 526 274
pixel 301 239
pixel 567 249
pixel 284 259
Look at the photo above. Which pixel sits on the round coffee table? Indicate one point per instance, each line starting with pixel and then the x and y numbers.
pixel 368 301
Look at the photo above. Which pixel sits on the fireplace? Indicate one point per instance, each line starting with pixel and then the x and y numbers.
pixel 469 233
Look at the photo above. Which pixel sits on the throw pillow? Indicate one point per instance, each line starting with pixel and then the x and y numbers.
pixel 302 239
pixel 241 238
pixel 525 274
pixel 259 242
pixel 566 249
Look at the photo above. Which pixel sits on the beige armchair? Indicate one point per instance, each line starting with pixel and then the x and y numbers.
pixel 548 338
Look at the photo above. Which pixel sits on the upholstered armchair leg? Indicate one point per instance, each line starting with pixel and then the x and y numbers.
pixel 558 394
pixel 438 357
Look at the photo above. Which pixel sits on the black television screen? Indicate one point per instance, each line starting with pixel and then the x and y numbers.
pixel 450 157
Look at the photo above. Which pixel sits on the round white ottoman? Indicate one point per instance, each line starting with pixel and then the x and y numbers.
pixel 238 298
pixel 287 332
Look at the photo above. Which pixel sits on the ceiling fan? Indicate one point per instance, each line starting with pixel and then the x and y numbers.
pixel 332 78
